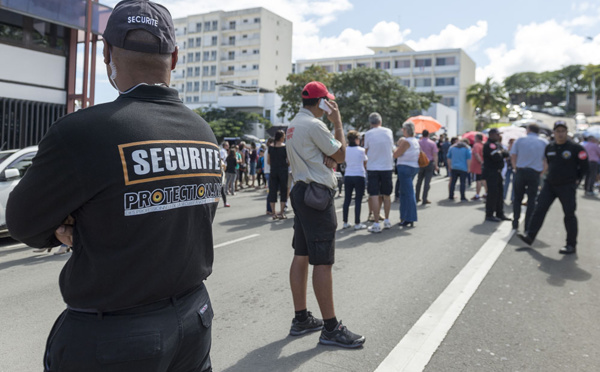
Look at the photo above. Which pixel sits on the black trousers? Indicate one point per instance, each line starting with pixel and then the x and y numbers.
pixel 172 335
pixel 278 181
pixel 590 179
pixel 566 194
pixel 494 202
pixel 527 182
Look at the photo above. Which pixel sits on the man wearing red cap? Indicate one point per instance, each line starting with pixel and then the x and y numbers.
pixel 310 148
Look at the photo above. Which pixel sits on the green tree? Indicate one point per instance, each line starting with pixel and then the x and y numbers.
pixel 489 96
pixel 229 122
pixel 362 91
pixel 291 94
pixel 522 82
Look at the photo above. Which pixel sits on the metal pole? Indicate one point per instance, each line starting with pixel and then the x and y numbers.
pixel 593 94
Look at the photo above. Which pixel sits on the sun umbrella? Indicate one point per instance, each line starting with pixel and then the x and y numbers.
pixel 471 136
pixel 511 132
pixel 425 122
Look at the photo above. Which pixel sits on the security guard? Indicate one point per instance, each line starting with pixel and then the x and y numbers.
pixel 137 181
pixel 567 164
pixel 493 162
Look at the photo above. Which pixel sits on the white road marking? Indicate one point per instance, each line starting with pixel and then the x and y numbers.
pixel 20 245
pixel 415 350
pixel 236 240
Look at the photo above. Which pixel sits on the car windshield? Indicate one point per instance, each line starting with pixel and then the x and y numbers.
pixel 5 154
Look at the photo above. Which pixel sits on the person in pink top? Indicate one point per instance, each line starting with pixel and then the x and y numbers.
pixel 430 149
pixel 476 163
pixel 593 150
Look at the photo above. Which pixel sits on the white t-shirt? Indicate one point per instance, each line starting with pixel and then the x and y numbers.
pixel 379 143
pixel 355 161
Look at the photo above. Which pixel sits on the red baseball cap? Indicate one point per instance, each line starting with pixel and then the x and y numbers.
pixel 316 89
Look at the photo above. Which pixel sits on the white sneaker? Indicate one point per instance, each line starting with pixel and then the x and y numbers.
pixel 360 226
pixel 346 225
pixel 375 228
pixel 387 224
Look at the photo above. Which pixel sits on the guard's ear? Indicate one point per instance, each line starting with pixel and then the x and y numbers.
pixel 174 58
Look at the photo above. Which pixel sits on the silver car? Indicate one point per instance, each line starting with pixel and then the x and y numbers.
pixel 13 165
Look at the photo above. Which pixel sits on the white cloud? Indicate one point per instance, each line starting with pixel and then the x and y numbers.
pixel 453 37
pixel 540 47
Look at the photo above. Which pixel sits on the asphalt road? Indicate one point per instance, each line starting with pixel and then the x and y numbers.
pixel 535 310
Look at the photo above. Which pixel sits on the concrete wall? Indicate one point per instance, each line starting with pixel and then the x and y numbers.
pixel 45 72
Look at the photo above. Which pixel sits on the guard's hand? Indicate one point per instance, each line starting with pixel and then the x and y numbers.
pixel 329 162
pixel 64 233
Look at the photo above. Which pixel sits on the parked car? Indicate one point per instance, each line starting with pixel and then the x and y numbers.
pixel 527 114
pixel 554 111
pixel 513 115
pixel 494 117
pixel 13 165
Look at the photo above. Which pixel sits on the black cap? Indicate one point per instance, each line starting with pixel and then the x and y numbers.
pixel 145 15
pixel 494 131
pixel 560 123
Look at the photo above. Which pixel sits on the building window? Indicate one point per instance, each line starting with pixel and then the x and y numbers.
pixel 344 67
pixel 276 52
pixel 244 67
pixel 184 44
pixel 206 26
pixel 448 101
pixel 196 99
pixel 328 68
pixel 26 32
pixel 245 36
pixel 363 64
pixel 243 82
pixel 231 55
pixel 444 82
pixel 245 21
pixel 214 41
pixel 385 65
pixel 204 70
pixel 190 57
pixel 256 20
pixel 213 70
pixel 244 51
pixel 191 42
pixel 188 99
pixel 231 40
pixel 423 62
pixel 405 82
pixel 232 25
pixel 197 56
pixel 206 55
pixel 211 85
pixel 190 71
pixel 196 71
pixel 402 63
pixel 198 26
pixel 254 82
pixel 423 82
pixel 183 59
pixel 255 67
pixel 230 68
pixel 196 86
pixel 255 51
pixel 445 61
pixel 205 85
pixel 198 41
pixel 215 25
pixel 189 87
pixel 213 55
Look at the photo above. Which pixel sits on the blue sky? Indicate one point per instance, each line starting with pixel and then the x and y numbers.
pixel 501 37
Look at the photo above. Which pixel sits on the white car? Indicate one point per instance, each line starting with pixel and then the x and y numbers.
pixel 13 165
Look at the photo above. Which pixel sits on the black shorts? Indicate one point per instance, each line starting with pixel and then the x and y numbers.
pixel 379 183
pixel 479 177
pixel 314 230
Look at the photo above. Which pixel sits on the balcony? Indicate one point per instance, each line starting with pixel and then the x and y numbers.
pixel 450 68
pixel 247 26
pixel 227 73
pixel 244 101
pixel 255 40
pixel 401 71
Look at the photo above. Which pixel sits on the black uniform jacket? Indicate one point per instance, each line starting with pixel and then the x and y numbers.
pixel 141 177
pixel 567 163
pixel 493 157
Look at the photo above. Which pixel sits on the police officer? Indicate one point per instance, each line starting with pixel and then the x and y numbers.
pixel 138 184
pixel 493 162
pixel 567 164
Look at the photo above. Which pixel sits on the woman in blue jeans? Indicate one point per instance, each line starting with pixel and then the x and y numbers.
pixel 407 164
pixel 354 179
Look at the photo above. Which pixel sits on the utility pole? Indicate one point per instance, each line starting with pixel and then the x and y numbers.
pixel 593 94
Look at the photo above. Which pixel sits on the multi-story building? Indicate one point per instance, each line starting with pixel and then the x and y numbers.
pixel 226 54
pixel 447 72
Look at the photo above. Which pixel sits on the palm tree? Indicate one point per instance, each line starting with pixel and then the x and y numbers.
pixel 489 96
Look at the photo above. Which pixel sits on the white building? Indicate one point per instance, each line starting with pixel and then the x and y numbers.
pixel 224 55
pixel 447 72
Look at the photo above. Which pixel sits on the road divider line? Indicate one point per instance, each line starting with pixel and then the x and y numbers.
pixel 236 240
pixel 414 351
